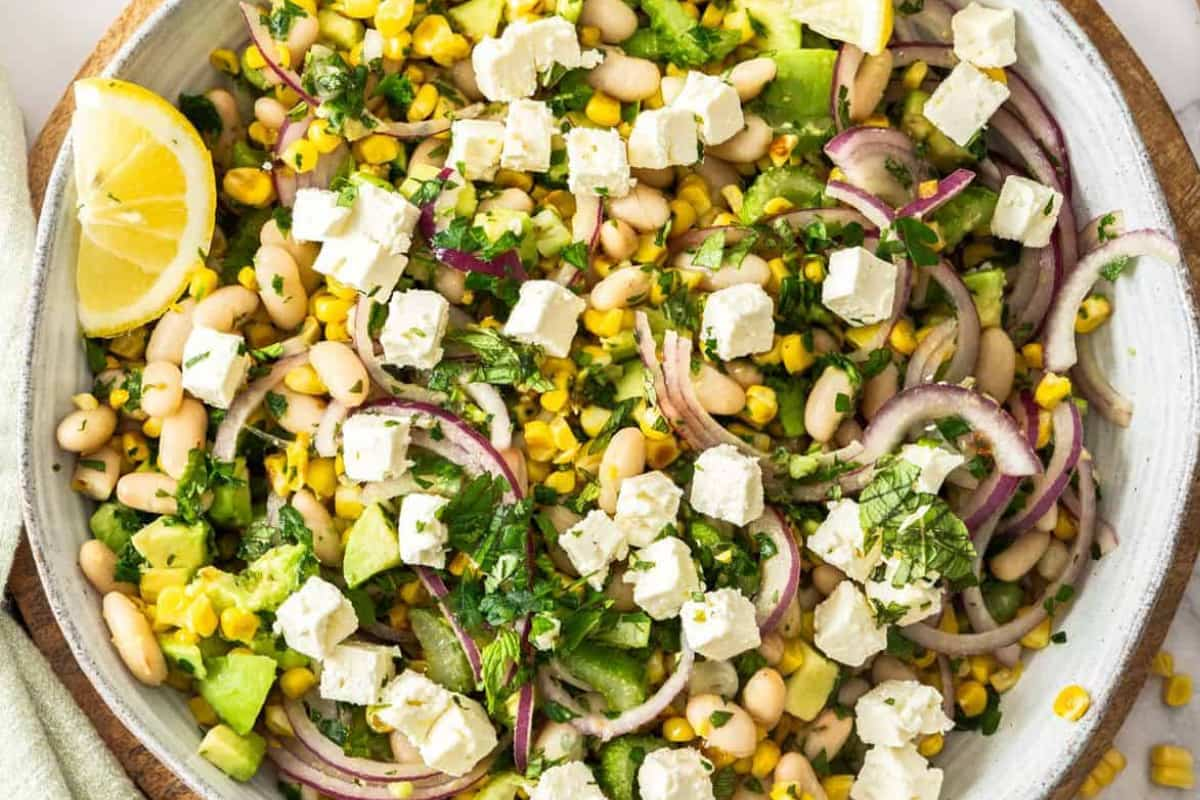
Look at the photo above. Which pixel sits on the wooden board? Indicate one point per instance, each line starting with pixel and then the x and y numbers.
pixel 1180 177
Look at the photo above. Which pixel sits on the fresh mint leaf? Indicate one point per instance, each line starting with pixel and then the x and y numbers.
pixel 279 21
pixel 919 240
pixel 575 254
pixel 398 91
pixel 498 658
pixel 621 417
pixel 710 252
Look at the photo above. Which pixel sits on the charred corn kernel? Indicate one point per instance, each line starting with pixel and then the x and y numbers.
pixel 603 110
pixel 85 401
pixel 396 48
pixel 337 332
pixel 603 323
pixel 971 698
pixel 202 711
pixel 772 356
pixel 931 745
pixel 1039 637
pixel 649 251
pixel 321 477
pixel 761 405
pixel 304 379
pixel 877 121
pixel 247 279
pixel 1044 429
pixel 554 400
pixel 1093 312
pixel 1052 390
pixel 224 60
pixel 249 186
pixel 733 197
pixel 201 619
pixel 358 9
pixel 562 481
pixel 118 398
pixel 982 667
pixel 678 730
pixel 814 269
pixel 795 353
pixel 766 756
pixel 539 440
pixel 1005 678
pixel 296 682
pixel 238 625
pixel 793 656
pixel 1163 664
pixel 592 419
pixel 203 281
pixel 837 787
pixel 393 17
pixel 347 502
pixel 398 616
pixel 661 453
pixel 777 205
pixel 413 593
pixel 1177 690
pixel 927 189
pixel 328 308
pixel 995 73
pixel 262 134
pixel 423 103
pixel 301 155
pixel 377 149
pixel 277 721
pixel 1065 527
pixel 1072 703
pixel 862 336
pixel 683 217
pixel 254 58
pixel 915 75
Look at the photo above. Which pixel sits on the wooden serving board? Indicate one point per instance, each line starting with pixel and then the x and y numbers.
pixel 1177 171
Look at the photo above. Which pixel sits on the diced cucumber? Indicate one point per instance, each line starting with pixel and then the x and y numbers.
pixel 615 674
pixel 448 664
pixel 619 762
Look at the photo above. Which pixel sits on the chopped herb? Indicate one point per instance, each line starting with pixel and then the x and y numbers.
pixel 622 416
pixel 398 90
pixel 279 21
pixel 919 240
pixel 91 463
pixel 900 172
pixel 196 359
pixel 719 718
pixel 710 252
pixel 201 112
pixel 575 254
pixel 277 404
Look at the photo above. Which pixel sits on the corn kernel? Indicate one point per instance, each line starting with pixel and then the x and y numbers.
pixel 771 357
pixel 249 186
pixel 661 453
pixel 1032 353
pixel 1093 312
pixel 1177 690
pixel 589 36
pixel 982 667
pixel 603 323
pixel 795 354
pixel 1052 390
pixel 1089 788
pixel 396 48
pixel 1114 758
pixel 238 625
pixel 277 721
pixel 777 205
pixel 1166 755
pixel 224 60
pixel 321 477
pixel 201 619
pixel 134 447
pixel 377 149
pixel 327 308
pixel 347 502
pixel 862 335
pixel 1065 527
pixel 761 405
pixel 1163 664
pixel 649 252
pixel 393 17
pixel 337 331
pixel 697 196
pixel 398 616
pixel 247 279
pixel 1044 429
pixel 788 790
pixel 766 756
pixel 423 103
pixel 539 441
pixel 927 189
pixel 931 745
pixel 562 481
pixel 202 711
pixel 118 398
pixel 837 787
pixel 254 58
pixel 914 76
pixel 683 217
pixel 1039 637
pixel 562 435
pixel 793 656
pixel 877 121
pixel 413 593
pixel 296 682
pixel 358 9
pixel 677 729
pixel 603 110
pixel 301 155
pixel 1005 678
pixel 202 282
pixel 555 400
pixel 1173 777
pixel 971 698
pixel 995 73
pixel 739 21
pixel 1072 703
pixel 323 137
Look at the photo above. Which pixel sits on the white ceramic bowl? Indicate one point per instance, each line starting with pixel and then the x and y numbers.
pixel 1151 347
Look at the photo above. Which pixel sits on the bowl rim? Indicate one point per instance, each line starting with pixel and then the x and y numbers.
pixel 1059 783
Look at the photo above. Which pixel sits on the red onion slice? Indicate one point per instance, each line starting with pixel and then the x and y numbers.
pixel 1068 445
pixel 325 441
pixel 845 69
pixel 1041 272
pixel 1093 385
pixel 873 208
pixel 427 128
pixel 507 264
pixel 500 425
pixel 930 354
pixel 267 46
pixel 973 603
pixel 1106 534
pixel 1042 126
pixel 966 352
pixel 780 572
pixel 948 188
pixel 932 22
pixel 249 399
pixel 523 728
pixel 989 499
pixel 364 345
pixel 871 156
pixel 657 383
pixel 1109 225
pixel 935 55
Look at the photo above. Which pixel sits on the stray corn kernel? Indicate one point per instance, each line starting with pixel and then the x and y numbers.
pixel 249 186
pixel 903 338
pixel 1093 312
pixel 1072 703
pixel 761 405
pixel 203 282
pixel 603 110
pixel 931 745
pixel 1177 690
pixel 793 656
pixel 777 205
pixel 297 681
pixel 1163 664
pixel 202 711
pixel 562 481
pixel 1052 390
pixel 677 729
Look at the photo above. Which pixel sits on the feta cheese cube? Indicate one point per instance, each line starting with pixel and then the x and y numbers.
pixel 412 703
pixel 374 447
pixel 914 599
pixel 663 137
pixel 891 772
pixel 664 577
pixel 964 102
pixel 475 146
pixel 1027 212
pixel 738 321
pixel 362 263
pixel 504 70
pixel 355 673
pixel 681 774
pixel 317 215
pixel 727 484
pixel 570 780
pixel 553 40
pixel 546 315
pixel 845 628
pixel 422 533
pixel 460 738
pixel 372 46
pixel 986 37
pixel 935 463
pixel 546 630
pixel 592 544
pixel 528 130
pixel 646 504
pixel 716 105
pixel 214 365
pixel 416 323
pixel 721 625
pixel 597 162
pixel 860 287
pixel 895 713
pixel 315 619
pixel 384 217
pixel 840 541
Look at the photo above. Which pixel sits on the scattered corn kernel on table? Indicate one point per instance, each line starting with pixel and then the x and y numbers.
pixel 1167 39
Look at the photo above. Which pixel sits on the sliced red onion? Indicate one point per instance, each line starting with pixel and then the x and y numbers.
pixel 935 55
pixel 426 224
pixel 244 405
pixel 507 264
pixel 1106 534
pixel 1059 333
pixel 931 353
pixel 948 188
pixel 658 384
pixel 1093 385
pixel 845 69
pixel 973 603
pixel 488 398
pixel 988 500
pixel 780 572
pixel 434 584
pixel 871 156
pixel 326 439
pixel 387 633
pixel 1111 225
pixel 1041 273
pixel 267 46
pixel 523 728
pixel 1042 126
pixel 932 23
pixel 333 755
pixel 1022 287
pixel 327 168
pixel 364 345
pixel 873 208
pixel 946 676
pixel 426 128
pixel 1068 444
pixel 966 352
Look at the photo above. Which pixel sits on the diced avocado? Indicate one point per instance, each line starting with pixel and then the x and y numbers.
pixel 987 289
pixel 342 31
pixel 619 761
pixel 231 499
pixel 970 210
pixel 171 542
pixel 621 347
pixel 155 579
pixel 502 786
pixel 371 547
pixel 773 18
pixel 569 9
pixel 1003 599
pixel 238 757
pixel 478 19
pixel 236 686
pixel 670 37
pixel 615 674
pixel 550 233
pixel 632 382
pixel 114 525
pixel 246 156
pixel 184 655
pixel 213 647
pixel 498 221
pixel 941 150
pixel 274 576
pixel 628 631
pixel 448 664
pixel 799 95
pixel 795 184
pixel 808 687
pixel 267 644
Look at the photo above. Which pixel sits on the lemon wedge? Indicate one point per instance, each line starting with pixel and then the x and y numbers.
pixel 865 23
pixel 147 204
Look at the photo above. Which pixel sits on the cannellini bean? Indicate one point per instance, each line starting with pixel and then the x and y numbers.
pixel 512 199
pixel 340 369
pixel 889 668
pixel 736 737
pixel 225 308
pixel 718 173
pixel 644 208
pixel 152 492
pixel 1054 561
pixel 615 20
pixel 869 85
pixel 826 578
pixel 751 77
pixel 303 253
pixel 327 545
pixel 824 342
pixel 745 372
pixel 849 431
pixel 821 415
pixel 98 564
pixel 622 288
pixel 463 76
pixel 302 413
pixel 279 286
pixel 1049 520
pixel 771 648
pixel 82 430
pixel 450 283
pixel 713 677
pixel 231 124
pixel 658 178
pixel 794 768
pixel 997 364
pixel 624 457
pixel 302 35
pixel 753 269
pixel 828 735
pixel 763 697
pixel 718 393
pixel 618 591
pixel 96 473
pixel 182 432
pixel 749 144
pixel 851 690
pixel 162 388
pixel 618 239
pixel 878 389
pixel 270 112
pixel 403 750
pixel 134 639
pixel 625 78
pixel 1015 561
pixel 792 620
pixel 430 152
pixel 560 741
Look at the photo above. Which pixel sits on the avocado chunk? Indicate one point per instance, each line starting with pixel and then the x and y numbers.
pixel 183 655
pixel 799 95
pixel 238 757
pixel 615 674
pixel 372 546
pixel 236 686
pixel 987 290
pixel 448 664
pixel 632 382
pixel 503 786
pixel 115 524
pixel 231 499
pixel 497 222
pixel 171 542
pixel 267 644
pixel 779 30
pixel 569 9
pixel 795 184
pixel 550 232
pixel 274 576
pixel 808 687
pixel 619 763
pixel 970 210
pixel 627 631
pixel 478 19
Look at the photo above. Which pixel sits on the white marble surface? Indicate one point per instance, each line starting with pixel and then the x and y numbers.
pixel 53 37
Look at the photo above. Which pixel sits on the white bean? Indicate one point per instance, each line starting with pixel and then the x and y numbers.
pixel 1054 561
pixel 745 372
pixel 771 648
pixel 84 430
pixel 270 112
pixel 303 253
pixel 152 492
pixel 512 199
pixel 403 750
pixel 450 283
pixel 515 459
pixel 792 620
pixel 231 124
pixel 751 77
pixel 878 389
pixel 849 431
pixel 763 697
pixel 279 286
pixel 794 768
pixel 713 677
pixel 736 736
pixel 869 85
pixel 618 239
pixel 134 639
pixel 889 668
pixel 851 690
pixel 98 564
pixel 718 174
pixel 658 178
pixel 644 208
pixel 826 578
pixel 340 369
pixel 463 76
pixel 302 35
pixel 430 152
pixel 749 144
pixel 997 364
pixel 821 414
pixel 302 412
pixel 162 388
pixel 618 591
pixel 96 473
pixel 624 457
pixel 753 269
pixel 327 545
pixel 615 20
pixel 225 308
pixel 1015 561
pixel 718 393
pixel 625 78
pixel 828 735
pixel 560 741
pixel 622 288
pixel 182 432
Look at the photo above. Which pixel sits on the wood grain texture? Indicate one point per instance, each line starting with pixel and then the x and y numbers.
pixel 1180 178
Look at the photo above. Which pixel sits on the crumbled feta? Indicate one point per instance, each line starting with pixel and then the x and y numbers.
pixel 845 629
pixel 416 323
pixel 597 163
pixel 1027 212
pixel 422 533
pixel 891 772
pixel 475 146
pixel 374 447
pixel 546 630
pixel 507 68
pixel 681 774
pixel 572 780
pixel 646 504
pixel 860 287
pixel 553 41
pixel 721 625
pixel 384 217
pixel 528 130
pixel 986 37
pixel 546 315
pixel 214 365
pixel 361 263
pixel 895 713
pixel 964 102
pixel 459 739
pixel 315 619
pixel 914 598
pixel 355 673
pixel 412 703
pixel 663 137
pixel 738 321
pixel 727 484
pixel 935 463
pixel 840 541
pixel 592 544
pixel 716 105
pixel 317 215
pixel 664 577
